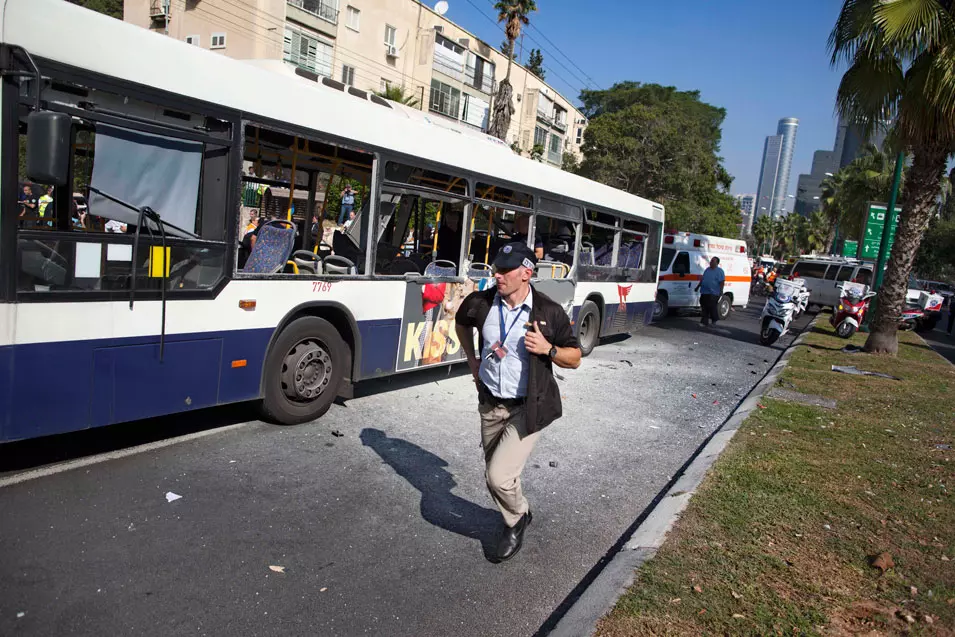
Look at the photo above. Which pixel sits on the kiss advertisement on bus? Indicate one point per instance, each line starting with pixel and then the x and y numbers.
pixel 428 334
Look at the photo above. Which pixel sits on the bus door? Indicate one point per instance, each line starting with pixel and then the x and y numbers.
pixel 555 232
pixel 422 216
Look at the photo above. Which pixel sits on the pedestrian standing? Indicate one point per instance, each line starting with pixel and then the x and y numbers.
pixel 348 203
pixel 711 288
pixel 523 334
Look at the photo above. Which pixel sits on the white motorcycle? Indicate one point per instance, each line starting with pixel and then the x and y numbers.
pixel 801 298
pixel 778 311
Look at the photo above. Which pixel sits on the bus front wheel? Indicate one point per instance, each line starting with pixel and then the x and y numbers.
pixel 588 327
pixel 303 371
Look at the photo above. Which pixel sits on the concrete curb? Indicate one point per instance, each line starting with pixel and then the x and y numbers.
pixel 614 580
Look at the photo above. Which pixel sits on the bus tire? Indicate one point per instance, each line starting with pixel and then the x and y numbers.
pixel 588 327
pixel 661 306
pixel 723 307
pixel 303 371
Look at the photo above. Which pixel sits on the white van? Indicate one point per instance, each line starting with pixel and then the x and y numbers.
pixel 682 261
pixel 824 276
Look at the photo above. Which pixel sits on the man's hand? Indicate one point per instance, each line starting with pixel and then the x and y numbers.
pixel 535 342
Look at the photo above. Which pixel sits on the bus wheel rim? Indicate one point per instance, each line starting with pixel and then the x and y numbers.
pixel 585 328
pixel 306 371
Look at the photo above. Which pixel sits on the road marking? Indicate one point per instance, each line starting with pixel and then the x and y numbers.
pixel 69 465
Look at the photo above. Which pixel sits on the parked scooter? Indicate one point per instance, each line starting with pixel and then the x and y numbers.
pixel 778 311
pixel 853 304
pixel 801 298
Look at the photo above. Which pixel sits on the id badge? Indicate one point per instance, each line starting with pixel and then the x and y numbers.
pixel 499 349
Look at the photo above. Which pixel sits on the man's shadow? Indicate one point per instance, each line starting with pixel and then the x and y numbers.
pixel 426 472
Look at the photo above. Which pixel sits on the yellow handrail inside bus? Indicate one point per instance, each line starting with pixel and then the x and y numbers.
pixel 490 229
pixel 291 186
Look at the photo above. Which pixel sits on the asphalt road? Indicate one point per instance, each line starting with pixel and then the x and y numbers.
pixel 378 512
pixel 940 341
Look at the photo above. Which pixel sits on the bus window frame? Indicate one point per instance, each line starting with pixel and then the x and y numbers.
pixel 11 116
pixel 251 119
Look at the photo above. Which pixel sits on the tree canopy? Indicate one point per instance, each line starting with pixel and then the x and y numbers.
pixel 661 143
pixel 112 8
pixel 535 63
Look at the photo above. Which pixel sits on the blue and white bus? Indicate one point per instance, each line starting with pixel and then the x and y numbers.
pixel 134 289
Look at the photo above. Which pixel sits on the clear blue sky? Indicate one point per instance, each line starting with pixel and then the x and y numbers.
pixel 760 60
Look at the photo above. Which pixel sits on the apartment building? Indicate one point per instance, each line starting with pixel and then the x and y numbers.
pixel 374 44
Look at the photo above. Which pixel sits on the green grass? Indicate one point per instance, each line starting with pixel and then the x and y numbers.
pixel 779 537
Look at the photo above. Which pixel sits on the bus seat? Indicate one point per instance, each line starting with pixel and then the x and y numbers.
pixel 343 246
pixel 441 268
pixel 307 262
pixel 552 270
pixel 480 271
pixel 337 264
pixel 273 246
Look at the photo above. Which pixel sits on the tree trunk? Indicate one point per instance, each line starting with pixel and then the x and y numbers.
pixel 918 203
pixel 831 239
pixel 501 111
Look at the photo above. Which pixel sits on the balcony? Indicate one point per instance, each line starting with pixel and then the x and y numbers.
pixel 317 8
pixel 481 83
pixel 560 124
pixel 544 116
pixel 448 67
pixel 158 8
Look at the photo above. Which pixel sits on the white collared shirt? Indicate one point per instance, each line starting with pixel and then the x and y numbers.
pixel 506 377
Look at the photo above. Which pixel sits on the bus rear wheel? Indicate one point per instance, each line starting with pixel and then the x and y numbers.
pixel 588 327
pixel 303 371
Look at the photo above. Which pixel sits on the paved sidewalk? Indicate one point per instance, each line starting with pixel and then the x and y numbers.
pixel 941 342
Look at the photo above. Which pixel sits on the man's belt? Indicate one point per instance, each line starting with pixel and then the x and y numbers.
pixel 504 402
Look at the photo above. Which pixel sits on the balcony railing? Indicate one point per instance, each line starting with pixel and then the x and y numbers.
pixel 479 82
pixel 545 117
pixel 560 125
pixel 449 68
pixel 158 8
pixel 317 8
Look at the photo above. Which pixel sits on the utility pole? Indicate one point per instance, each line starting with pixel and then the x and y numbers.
pixel 165 11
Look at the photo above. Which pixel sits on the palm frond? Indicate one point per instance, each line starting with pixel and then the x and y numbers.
pixel 870 90
pixel 853 28
pixel 913 26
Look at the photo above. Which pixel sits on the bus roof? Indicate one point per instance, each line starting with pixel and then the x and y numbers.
pixel 91 41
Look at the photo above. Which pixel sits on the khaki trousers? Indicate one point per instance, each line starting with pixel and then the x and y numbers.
pixel 507 446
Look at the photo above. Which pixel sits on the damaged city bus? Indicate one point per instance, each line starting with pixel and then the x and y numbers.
pixel 186 253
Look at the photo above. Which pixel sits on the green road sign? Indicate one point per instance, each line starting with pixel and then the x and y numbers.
pixel 850 248
pixel 872 236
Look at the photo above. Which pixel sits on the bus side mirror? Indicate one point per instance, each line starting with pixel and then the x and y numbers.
pixel 48 147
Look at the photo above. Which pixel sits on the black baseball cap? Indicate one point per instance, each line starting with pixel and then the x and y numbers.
pixel 514 255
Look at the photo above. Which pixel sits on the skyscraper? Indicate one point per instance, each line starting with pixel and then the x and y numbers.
pixel 774 173
pixel 747 206
pixel 849 144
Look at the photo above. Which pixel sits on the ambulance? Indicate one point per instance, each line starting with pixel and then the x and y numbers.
pixel 683 259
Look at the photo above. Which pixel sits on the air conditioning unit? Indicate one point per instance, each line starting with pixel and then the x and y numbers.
pixel 391 51
pixel 439 28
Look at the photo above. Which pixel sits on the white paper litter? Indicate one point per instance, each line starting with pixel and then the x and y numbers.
pixel 172 497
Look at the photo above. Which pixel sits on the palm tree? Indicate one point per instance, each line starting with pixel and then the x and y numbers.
pixel 901 54
pixel 830 207
pixel 762 230
pixel 514 15
pixel 397 94
pixel 817 231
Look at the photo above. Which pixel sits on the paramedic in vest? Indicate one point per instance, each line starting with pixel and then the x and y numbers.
pixel 711 286
pixel 523 335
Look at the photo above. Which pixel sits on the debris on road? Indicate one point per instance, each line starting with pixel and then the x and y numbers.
pixel 626 361
pixel 323 589
pixel 172 497
pixel 277 569
pixel 553 463
pixel 854 371
pixel 20 615
pixel 883 561
pixel 337 433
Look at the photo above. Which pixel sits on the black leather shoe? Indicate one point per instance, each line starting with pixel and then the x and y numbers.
pixel 513 538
